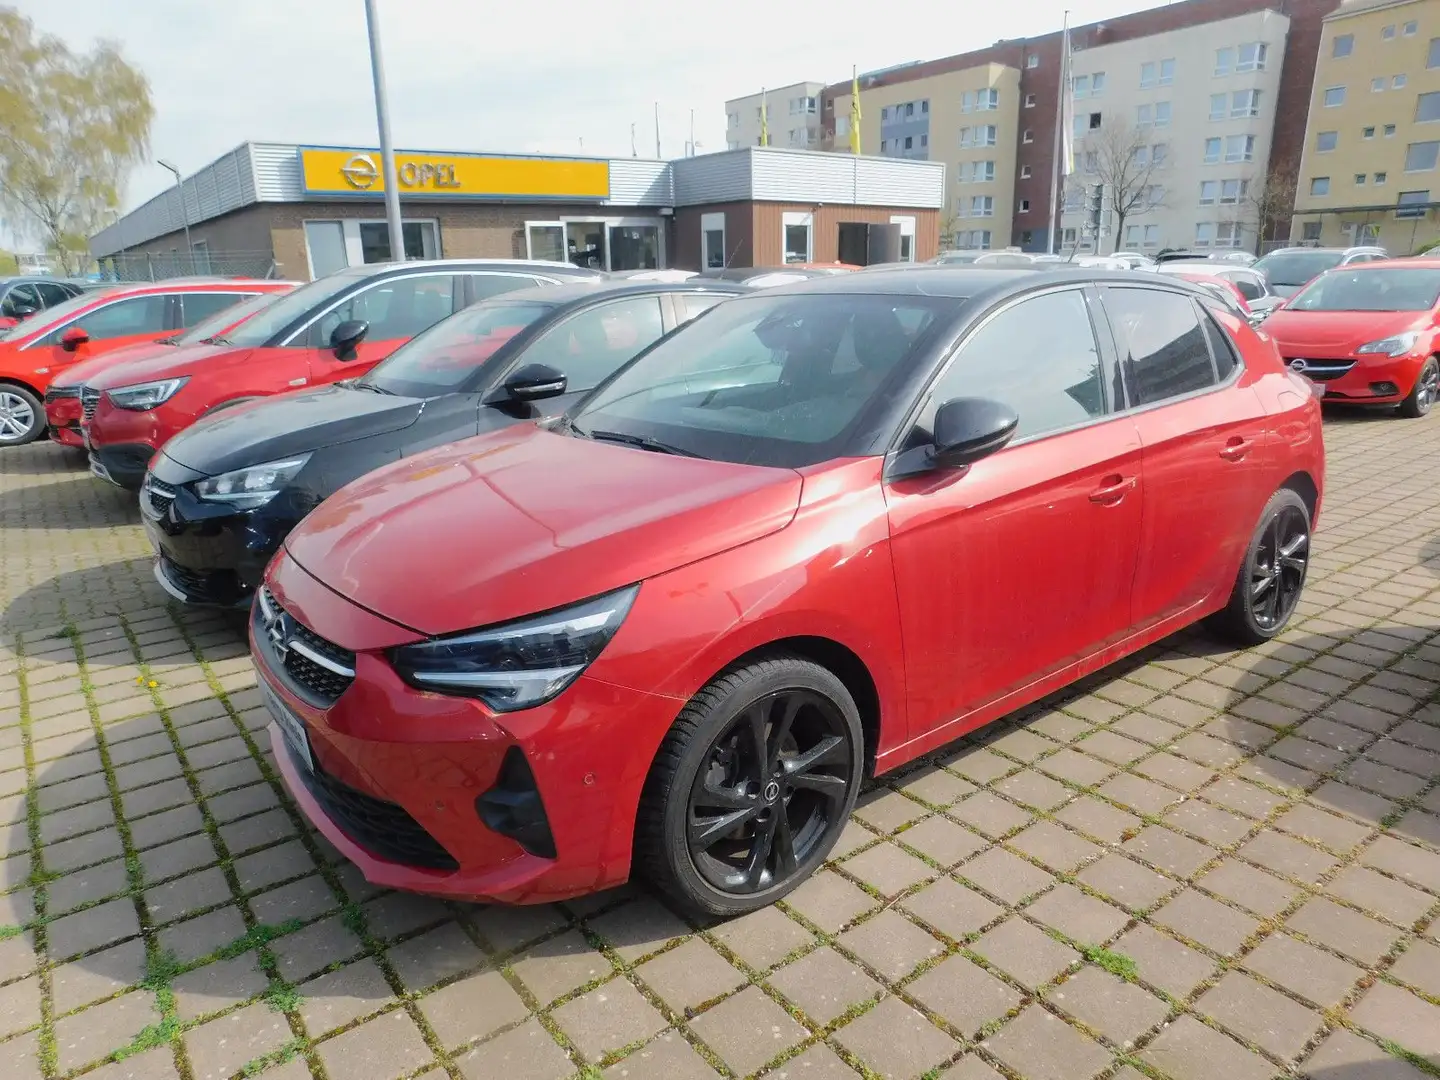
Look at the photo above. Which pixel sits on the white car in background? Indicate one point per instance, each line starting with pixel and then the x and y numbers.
pixel 1251 284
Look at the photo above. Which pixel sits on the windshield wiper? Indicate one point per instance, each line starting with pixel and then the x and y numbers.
pixel 173 339
pixel 638 441
pixel 371 387
pixel 216 340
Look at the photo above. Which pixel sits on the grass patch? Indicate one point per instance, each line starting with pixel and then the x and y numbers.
pixel 1420 1062
pixel 1115 963
pixel 161 1034
pixel 255 1066
pixel 7 932
pixel 257 937
pixel 282 997
pixel 160 968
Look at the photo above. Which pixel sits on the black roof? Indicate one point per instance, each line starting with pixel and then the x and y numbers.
pixel 559 295
pixel 11 279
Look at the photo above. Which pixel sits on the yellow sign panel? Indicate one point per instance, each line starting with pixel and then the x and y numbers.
pixel 465 176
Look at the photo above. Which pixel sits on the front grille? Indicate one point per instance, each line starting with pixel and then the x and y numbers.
pixel 220 587
pixel 317 670
pixel 89 401
pixel 56 393
pixel 156 497
pixel 382 828
pixel 1320 370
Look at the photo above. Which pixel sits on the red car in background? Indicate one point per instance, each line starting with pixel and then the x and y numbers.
pixel 814 534
pixel 33 353
pixel 62 400
pixel 338 327
pixel 1367 334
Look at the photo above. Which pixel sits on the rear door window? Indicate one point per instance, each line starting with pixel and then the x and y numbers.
pixel 124 318
pixel 51 294
pixel 1162 346
pixel 394 308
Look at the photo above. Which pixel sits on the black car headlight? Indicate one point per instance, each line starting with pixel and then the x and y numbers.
pixel 521 664
pixel 253 486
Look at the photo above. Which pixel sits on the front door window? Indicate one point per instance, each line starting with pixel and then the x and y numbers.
pixel 634 247
pixel 585 244
pixel 420 242
pixel 545 240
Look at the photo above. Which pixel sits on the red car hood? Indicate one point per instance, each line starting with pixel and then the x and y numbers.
pixel 1296 331
pixel 165 363
pixel 522 520
pixel 87 370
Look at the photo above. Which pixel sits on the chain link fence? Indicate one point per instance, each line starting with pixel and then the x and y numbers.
pixel 159 266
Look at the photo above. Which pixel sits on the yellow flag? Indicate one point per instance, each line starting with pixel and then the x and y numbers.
pixel 764 121
pixel 854 111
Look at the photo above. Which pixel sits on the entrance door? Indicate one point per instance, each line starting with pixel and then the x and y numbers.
pixel 634 247
pixel 585 244
pixel 854 244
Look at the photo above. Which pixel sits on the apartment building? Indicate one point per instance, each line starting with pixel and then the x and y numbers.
pixel 1178 126
pixel 1038 60
pixel 793 117
pixel 969 120
pixel 1370 173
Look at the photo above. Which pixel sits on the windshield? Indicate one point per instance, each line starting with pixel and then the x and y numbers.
pixel 52 317
pixel 1370 290
pixel 782 381
pixel 225 318
pixel 958 257
pixel 443 358
pixel 1296 267
pixel 260 328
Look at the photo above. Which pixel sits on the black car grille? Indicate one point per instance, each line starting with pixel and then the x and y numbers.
pixel 382 828
pixel 317 670
pixel 55 393
pixel 89 402
pixel 156 497
pixel 220 587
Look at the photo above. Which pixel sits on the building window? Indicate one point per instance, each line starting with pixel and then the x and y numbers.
pixel 1411 204
pixel 712 240
pixel 925 107
pixel 1334 97
pixel 1381 177
pixel 1389 131
pixel 1219 106
pixel 1032 61
pixel 1325 141
pixel 1320 185
pixel 973 239
pixel 1240 148
pixel 1422 156
pixel 1212 151
pixel 1029 101
pixel 1244 103
pixel 1092 161
pixel 1310 230
pixel 1360 179
pixel 1232 191
pixel 1162 114
pixel 1024 206
pixel 982 206
pixel 1410 28
pixel 1432 55
pixel 978 101
pixel 1377 84
pixel 1028 136
pixel 909 109
pixel 797 231
pixel 1387 32
pixel 1204 234
pixel 909 142
pixel 1343 45
pixel 1427 107
pixel 1209 192
pixel 1242 58
pixel 907 237
pixel 1147 76
pixel 1024 172
pixel 1367 133
pixel 1227 234
pixel 1397 82
pixel 1167 73
pixel 1158 154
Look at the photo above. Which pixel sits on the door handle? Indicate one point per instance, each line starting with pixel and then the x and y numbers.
pixel 1113 490
pixel 1236 447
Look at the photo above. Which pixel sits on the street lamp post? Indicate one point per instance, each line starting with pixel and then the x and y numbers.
pixel 387 152
pixel 184 212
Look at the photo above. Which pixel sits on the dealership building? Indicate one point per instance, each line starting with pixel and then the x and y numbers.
pixel 305 211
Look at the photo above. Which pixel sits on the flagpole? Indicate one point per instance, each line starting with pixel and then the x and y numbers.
pixel 1054 246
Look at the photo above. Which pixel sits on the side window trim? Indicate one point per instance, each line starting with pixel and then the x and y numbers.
pixel 926 394
pixel 374 283
pixel 1211 389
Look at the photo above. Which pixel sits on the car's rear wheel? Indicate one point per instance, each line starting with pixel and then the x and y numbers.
pixel 751 787
pixel 22 417
pixel 1272 575
pixel 1421 398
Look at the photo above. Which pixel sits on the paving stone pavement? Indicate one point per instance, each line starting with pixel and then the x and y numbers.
pixel 1199 864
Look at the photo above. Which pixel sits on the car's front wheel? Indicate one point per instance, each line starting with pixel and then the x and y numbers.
pixel 751 787
pixel 1272 575
pixel 1421 398
pixel 22 417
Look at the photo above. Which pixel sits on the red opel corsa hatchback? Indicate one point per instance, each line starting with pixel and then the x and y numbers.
pixel 815 533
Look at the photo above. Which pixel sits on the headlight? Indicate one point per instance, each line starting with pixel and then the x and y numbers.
pixel 145 395
pixel 252 486
pixel 1398 345
pixel 521 664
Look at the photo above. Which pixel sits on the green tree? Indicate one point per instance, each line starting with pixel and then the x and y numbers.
pixel 72 125
pixel 8 264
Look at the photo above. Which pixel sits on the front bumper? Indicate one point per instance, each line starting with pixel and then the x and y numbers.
pixel 62 416
pixel 1361 380
pixel 403 780
pixel 209 553
pixel 122 465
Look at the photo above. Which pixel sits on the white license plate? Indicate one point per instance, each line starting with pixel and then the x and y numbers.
pixel 290 724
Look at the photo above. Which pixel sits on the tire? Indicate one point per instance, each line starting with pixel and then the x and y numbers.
pixel 22 410
pixel 1421 398
pixel 708 760
pixel 1263 599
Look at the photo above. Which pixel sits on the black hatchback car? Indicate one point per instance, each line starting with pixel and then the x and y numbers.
pixel 220 498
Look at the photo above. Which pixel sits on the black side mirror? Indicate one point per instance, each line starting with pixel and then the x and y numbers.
pixel 346 336
pixel 23 311
pixel 535 382
pixel 968 429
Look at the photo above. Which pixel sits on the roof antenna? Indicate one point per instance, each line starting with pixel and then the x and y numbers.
pixel 733 252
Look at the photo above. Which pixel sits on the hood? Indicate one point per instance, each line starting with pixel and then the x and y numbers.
pixel 523 520
pixel 87 370
pixel 166 362
pixel 290 424
pixel 1343 331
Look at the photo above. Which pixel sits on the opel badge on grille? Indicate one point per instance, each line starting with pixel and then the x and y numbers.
pixel 275 629
pixel 1298 365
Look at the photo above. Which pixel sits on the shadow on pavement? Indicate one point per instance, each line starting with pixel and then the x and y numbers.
pixel 41 459
pixel 126 587
pixel 78 502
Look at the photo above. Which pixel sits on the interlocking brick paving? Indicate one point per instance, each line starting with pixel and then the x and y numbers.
pixel 1199 863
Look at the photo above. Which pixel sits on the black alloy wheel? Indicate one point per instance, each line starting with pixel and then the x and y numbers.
pixel 1423 394
pixel 1268 587
pixel 751 787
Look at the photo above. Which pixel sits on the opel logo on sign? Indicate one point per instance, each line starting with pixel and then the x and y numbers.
pixel 360 172
pixel 1297 365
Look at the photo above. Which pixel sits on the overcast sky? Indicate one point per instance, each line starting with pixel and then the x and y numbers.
pixel 516 77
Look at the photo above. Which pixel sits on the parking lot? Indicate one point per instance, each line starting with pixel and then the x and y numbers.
pixel 1200 864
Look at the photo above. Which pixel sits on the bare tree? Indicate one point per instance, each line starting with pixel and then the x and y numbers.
pixel 1270 200
pixel 1128 160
